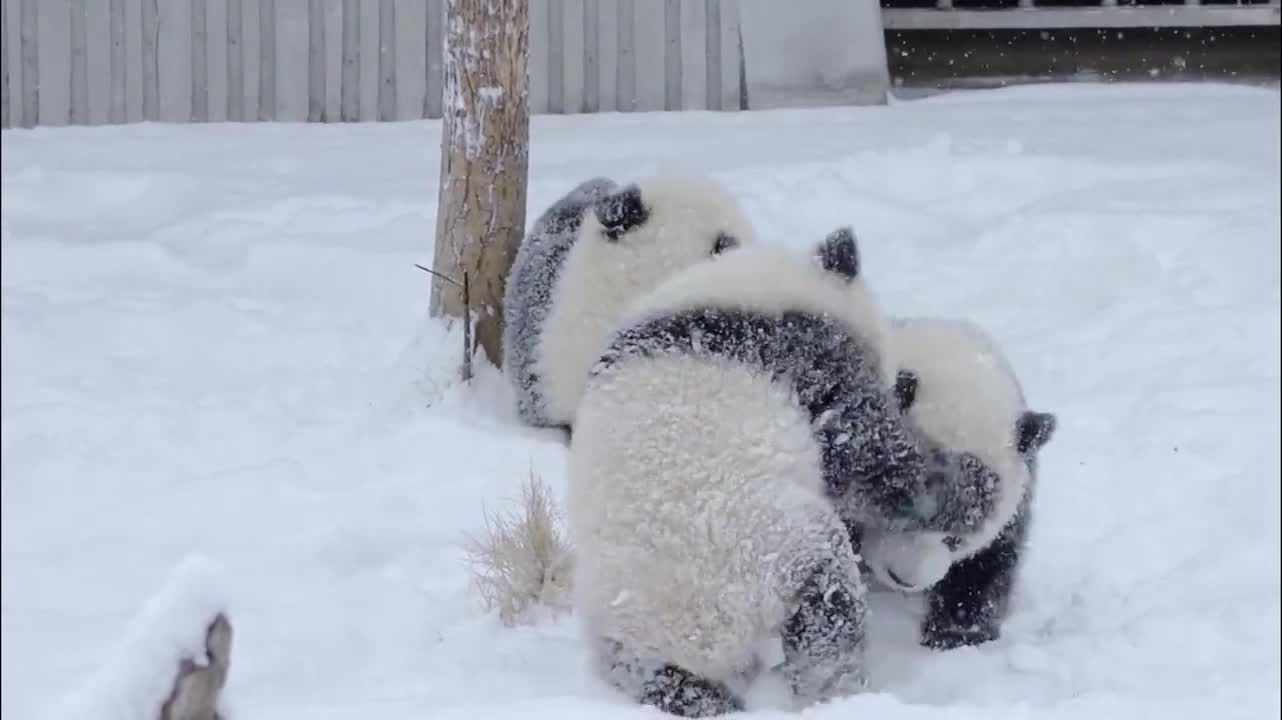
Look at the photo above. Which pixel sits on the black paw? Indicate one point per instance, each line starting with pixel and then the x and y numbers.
pixel 684 694
pixel 951 637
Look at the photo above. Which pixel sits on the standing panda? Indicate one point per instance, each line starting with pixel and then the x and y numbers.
pixel 576 271
pixel 738 419
pixel 961 391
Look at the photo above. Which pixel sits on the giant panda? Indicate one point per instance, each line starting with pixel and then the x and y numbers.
pixel 590 254
pixel 741 416
pixel 960 389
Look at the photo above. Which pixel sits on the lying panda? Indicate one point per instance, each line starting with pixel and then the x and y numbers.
pixel 959 388
pixel 576 271
pixel 733 426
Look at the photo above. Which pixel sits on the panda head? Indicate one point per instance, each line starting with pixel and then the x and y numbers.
pixel 667 223
pixel 826 280
pixel 960 392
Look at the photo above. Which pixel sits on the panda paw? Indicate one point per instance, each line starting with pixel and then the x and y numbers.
pixel 951 637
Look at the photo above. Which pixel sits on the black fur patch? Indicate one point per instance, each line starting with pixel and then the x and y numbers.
pixel 968 605
pixel 906 389
pixel 723 243
pixel 680 692
pixel 874 467
pixel 622 211
pixel 668 687
pixel 823 641
pixel 839 253
pixel 1033 430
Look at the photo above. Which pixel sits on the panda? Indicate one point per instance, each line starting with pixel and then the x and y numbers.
pixel 960 390
pixel 740 417
pixel 595 250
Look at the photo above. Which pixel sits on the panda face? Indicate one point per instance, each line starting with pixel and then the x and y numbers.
pixel 913 562
pixel 961 394
pixel 672 220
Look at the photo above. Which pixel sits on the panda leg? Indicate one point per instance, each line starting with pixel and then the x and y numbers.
pixel 669 688
pixel 968 605
pixel 823 641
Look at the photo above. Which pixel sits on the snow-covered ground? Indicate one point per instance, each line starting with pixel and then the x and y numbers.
pixel 215 342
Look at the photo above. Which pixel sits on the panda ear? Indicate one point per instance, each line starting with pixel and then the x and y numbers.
pixel 838 253
pixel 619 212
pixel 906 389
pixel 1033 430
pixel 724 242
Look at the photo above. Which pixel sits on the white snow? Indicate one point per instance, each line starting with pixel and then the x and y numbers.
pixel 214 341
pixel 137 678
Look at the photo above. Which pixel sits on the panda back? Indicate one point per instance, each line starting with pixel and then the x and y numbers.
pixel 528 296
pixel 695 507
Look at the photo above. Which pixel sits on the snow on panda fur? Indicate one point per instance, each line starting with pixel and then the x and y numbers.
pixel 960 390
pixel 589 255
pixel 735 425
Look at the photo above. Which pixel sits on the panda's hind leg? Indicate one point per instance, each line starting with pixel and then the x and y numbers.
pixel 823 641
pixel 968 605
pixel 669 688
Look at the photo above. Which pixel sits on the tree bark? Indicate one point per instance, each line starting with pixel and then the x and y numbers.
pixel 485 135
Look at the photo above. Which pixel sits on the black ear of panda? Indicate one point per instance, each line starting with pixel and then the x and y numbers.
pixel 620 212
pixel 839 253
pixel 906 389
pixel 1033 430
pixel 724 242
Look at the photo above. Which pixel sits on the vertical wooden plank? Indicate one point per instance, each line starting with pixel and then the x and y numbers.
pixel 410 81
pixel 79 105
pixel 649 50
pixel 555 35
pixel 367 50
pixel 538 61
pixel 199 62
pixel 608 53
pixel 591 56
pixel 235 63
pixel 315 60
pixel 386 60
pixel 625 83
pixel 741 64
pixel 28 49
pixel 267 60
pixel 4 65
pixel 672 55
pixel 434 54
pixel 712 51
pixel 150 61
pixel 349 87
pixel 694 61
pixel 572 55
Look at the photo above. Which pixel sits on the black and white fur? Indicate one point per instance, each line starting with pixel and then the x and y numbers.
pixel 739 420
pixel 589 255
pixel 960 390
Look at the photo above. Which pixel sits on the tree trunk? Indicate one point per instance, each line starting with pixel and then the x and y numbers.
pixel 485 136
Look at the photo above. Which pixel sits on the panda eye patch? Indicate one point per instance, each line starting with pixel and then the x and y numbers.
pixel 952 542
pixel 723 243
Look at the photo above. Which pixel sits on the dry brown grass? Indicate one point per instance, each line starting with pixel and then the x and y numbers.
pixel 523 559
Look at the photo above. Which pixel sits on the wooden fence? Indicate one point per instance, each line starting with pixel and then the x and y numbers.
pixel 89 62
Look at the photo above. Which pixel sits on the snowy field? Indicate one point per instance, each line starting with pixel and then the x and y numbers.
pixel 215 343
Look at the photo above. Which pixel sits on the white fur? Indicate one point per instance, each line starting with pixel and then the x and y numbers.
pixel 968 399
pixel 697 500
pixel 600 277
pixel 691 531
